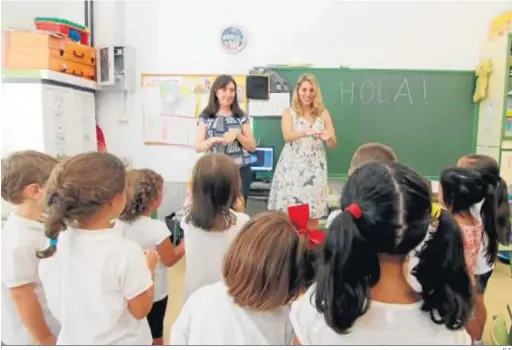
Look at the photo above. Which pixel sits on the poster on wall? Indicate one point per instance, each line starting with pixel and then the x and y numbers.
pixel 172 103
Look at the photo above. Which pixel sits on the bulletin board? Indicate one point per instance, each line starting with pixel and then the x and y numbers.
pixel 171 104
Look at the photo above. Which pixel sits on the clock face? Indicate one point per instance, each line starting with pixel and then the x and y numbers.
pixel 233 39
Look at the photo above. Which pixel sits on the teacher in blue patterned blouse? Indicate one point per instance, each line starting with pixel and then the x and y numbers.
pixel 224 128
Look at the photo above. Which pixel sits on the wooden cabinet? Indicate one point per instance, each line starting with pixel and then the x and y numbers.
pixel 24 49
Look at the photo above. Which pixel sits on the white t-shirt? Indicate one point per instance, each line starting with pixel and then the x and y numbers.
pixel 383 324
pixel 205 252
pixel 20 239
pixel 210 317
pixel 88 283
pixel 149 233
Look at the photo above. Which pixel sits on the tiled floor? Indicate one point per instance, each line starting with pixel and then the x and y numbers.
pixel 499 293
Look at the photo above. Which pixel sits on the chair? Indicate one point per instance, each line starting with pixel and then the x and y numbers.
pixel 499 333
pixel 507 248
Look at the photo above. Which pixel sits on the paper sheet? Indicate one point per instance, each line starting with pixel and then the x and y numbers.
pixel 274 106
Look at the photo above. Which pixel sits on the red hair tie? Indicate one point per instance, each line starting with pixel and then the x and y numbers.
pixel 355 210
pixel 299 216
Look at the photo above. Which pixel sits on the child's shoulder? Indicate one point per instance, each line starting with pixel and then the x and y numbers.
pixel 19 230
pixel 241 218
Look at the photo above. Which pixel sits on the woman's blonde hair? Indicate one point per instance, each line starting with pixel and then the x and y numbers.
pixel 318 105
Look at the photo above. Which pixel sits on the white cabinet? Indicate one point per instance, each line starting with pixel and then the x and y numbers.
pixel 51 115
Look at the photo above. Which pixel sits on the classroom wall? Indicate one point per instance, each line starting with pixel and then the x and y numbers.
pixel 21 14
pixel 183 37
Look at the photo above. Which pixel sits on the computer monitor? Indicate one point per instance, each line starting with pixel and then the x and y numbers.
pixel 262 159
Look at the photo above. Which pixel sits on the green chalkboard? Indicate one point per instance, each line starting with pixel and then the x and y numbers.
pixel 426 116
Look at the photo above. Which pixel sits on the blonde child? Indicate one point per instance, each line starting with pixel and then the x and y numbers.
pixel 266 267
pixel 99 284
pixel 26 318
pixel 361 295
pixel 212 224
pixel 145 188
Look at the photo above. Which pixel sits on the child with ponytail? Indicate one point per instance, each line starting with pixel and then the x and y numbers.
pixel 145 189
pixel 459 190
pixel 268 265
pixel 99 285
pixel 361 295
pixel 496 201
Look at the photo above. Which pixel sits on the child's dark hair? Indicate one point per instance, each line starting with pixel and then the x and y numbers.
pixel 78 189
pixel 269 264
pixel 461 188
pixel 23 168
pixel 215 188
pixel 497 196
pixel 395 205
pixel 144 188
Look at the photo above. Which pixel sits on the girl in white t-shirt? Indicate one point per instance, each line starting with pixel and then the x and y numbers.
pixel 498 222
pixel 145 189
pixel 99 285
pixel 361 295
pixel 268 265
pixel 211 223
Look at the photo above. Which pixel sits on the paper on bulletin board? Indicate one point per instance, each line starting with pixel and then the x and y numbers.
pixel 274 106
pixel 172 102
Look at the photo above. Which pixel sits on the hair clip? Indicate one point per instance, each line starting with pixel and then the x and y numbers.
pixel 53 242
pixel 299 216
pixel 355 210
pixel 435 212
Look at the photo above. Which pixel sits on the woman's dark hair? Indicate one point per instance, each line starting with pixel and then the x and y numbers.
pixel 78 188
pixel 145 186
pixel 396 205
pixel 221 82
pixel 497 196
pixel 269 264
pixel 215 187
pixel 464 187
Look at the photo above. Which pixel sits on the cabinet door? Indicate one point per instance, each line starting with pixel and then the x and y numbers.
pixel 86 120
pixel 105 65
pixel 58 128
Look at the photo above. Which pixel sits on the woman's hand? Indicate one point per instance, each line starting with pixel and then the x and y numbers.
pixel 311 132
pixel 230 136
pixel 215 141
pixel 326 136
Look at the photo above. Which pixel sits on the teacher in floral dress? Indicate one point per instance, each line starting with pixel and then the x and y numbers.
pixel 301 172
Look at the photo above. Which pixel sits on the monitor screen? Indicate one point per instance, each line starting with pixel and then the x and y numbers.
pixel 262 159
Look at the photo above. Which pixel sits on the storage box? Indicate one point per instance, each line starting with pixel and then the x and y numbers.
pixel 74 31
pixel 42 50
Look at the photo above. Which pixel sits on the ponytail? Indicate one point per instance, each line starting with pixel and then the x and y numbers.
pixel 53 225
pixel 443 275
pixel 303 269
pixel 502 213
pixel 348 268
pixel 489 220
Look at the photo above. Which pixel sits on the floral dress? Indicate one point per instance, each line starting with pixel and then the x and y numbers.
pixel 301 172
